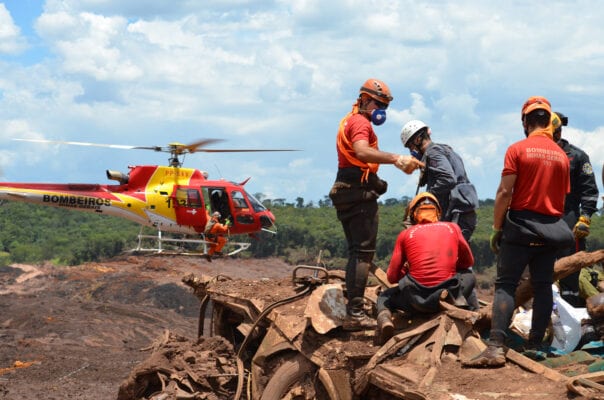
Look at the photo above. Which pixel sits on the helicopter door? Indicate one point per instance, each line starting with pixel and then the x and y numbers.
pixel 218 200
pixel 243 213
pixel 189 208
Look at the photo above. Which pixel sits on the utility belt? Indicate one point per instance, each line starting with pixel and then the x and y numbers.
pixel 348 189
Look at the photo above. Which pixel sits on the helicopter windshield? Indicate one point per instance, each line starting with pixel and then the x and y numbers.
pixel 256 204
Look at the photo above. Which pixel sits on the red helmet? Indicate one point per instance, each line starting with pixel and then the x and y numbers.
pixel 377 90
pixel 535 103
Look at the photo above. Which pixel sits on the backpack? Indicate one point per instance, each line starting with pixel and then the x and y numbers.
pixel 209 225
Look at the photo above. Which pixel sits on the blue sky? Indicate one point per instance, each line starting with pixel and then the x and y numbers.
pixel 281 74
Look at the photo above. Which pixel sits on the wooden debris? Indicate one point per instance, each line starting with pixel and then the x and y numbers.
pixel 588 385
pixel 534 366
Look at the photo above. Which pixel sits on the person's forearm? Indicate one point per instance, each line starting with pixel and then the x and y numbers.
pixel 371 155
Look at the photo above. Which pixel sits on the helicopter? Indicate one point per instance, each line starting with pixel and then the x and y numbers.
pixel 170 198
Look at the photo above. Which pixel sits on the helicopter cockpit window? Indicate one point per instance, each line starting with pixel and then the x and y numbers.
pixel 256 204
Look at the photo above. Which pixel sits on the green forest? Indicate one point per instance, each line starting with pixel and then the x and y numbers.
pixel 305 233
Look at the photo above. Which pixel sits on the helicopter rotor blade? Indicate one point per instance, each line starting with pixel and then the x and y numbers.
pixel 242 150
pixel 175 147
pixel 193 147
pixel 114 146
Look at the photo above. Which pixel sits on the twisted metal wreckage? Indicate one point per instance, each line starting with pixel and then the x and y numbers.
pixel 278 339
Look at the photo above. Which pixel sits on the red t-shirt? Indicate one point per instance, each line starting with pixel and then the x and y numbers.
pixel 434 253
pixel 358 127
pixel 542 175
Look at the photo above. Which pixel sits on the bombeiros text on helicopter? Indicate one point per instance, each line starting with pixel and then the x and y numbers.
pixel 178 202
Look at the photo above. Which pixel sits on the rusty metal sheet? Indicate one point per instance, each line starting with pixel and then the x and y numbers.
pixel 288 321
pixel 326 308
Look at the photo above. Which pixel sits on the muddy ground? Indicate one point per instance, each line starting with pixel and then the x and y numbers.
pixel 77 332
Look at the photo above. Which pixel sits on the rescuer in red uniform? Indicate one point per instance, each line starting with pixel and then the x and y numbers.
pixel 429 257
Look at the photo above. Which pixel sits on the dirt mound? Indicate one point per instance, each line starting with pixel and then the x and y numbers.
pixel 77 332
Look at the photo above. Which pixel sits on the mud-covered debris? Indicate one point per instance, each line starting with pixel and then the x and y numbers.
pixel 179 368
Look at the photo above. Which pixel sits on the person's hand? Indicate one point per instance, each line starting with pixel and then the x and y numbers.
pixel 408 164
pixel 495 239
pixel 581 229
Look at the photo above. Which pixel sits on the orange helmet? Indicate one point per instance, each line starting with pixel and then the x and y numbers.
pixel 377 90
pixel 535 103
pixel 424 208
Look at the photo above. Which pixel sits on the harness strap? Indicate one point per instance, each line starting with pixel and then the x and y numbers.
pixel 345 147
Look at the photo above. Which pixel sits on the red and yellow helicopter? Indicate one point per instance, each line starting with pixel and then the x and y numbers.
pixel 169 198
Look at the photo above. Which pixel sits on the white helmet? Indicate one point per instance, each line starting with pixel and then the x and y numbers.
pixel 410 129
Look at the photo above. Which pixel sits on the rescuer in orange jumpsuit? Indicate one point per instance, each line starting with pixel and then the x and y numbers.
pixel 215 233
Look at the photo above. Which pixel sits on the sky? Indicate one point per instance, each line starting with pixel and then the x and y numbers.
pixel 269 74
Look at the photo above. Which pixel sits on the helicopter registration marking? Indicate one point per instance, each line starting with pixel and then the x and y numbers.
pixel 182 173
pixel 76 201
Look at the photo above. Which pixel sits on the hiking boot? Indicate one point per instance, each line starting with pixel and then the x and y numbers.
pixel 385 327
pixel 491 357
pixel 358 322
pixel 208 257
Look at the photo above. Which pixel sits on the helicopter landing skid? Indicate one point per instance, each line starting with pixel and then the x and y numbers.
pixel 182 246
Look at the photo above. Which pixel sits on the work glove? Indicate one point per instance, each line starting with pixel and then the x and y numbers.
pixel 495 239
pixel 581 229
pixel 408 164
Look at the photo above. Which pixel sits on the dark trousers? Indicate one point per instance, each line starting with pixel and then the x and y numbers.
pixel 569 285
pixel 411 296
pixel 360 224
pixel 512 260
pixel 467 223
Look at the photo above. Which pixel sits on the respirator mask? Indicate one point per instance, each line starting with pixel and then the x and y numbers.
pixel 378 116
pixel 416 154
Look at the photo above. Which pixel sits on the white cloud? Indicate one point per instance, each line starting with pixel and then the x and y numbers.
pixel 590 142
pixel 11 41
pixel 282 74
pixel 89 44
pixel 300 163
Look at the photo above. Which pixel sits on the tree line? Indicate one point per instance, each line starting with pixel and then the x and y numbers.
pixel 306 234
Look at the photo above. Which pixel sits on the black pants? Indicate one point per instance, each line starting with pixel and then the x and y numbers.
pixel 360 224
pixel 569 285
pixel 512 260
pixel 467 223
pixel 412 297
